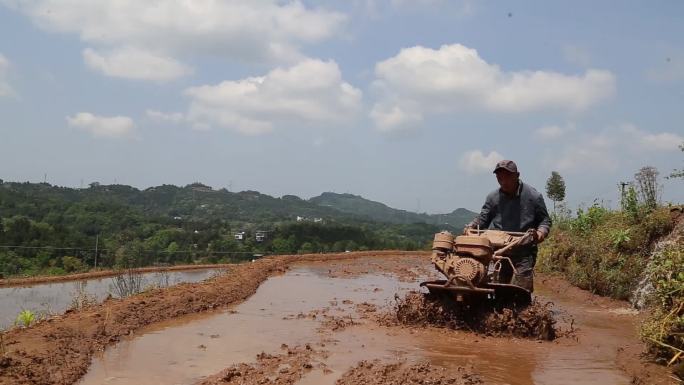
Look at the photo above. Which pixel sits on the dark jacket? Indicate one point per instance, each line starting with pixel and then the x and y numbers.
pixel 520 212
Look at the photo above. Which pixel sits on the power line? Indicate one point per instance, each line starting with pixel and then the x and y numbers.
pixel 104 250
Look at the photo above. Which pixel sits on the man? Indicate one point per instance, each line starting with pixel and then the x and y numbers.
pixel 515 206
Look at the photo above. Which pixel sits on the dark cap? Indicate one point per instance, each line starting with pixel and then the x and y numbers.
pixel 507 165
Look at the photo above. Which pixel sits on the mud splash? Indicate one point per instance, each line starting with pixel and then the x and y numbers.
pixel 535 321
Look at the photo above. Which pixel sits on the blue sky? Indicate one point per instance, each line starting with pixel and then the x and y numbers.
pixel 405 102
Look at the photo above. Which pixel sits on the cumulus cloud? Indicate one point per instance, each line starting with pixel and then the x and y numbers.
pixel 133 63
pixel 421 81
pixel 551 132
pixel 643 140
pixel 603 151
pixel 5 89
pixel 167 117
pixel 311 91
pixel 251 31
pixel 476 162
pixel 103 126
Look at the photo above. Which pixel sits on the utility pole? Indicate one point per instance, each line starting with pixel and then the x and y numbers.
pixel 622 193
pixel 97 241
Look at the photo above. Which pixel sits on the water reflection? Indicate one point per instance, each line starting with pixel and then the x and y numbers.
pixel 55 298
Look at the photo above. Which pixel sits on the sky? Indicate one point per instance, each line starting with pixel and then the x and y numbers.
pixel 410 103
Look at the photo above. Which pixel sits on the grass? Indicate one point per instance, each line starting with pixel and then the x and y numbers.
pixel 603 251
pixel 25 318
pixel 610 252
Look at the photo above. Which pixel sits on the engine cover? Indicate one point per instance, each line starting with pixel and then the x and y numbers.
pixel 468 270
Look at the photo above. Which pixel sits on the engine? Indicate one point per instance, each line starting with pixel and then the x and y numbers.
pixel 463 259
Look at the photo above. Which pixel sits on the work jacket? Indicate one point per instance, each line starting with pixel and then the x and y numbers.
pixel 520 212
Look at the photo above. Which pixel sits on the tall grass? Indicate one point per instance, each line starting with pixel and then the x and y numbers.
pixel 603 251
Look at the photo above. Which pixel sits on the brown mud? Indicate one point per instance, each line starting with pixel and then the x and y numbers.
pixel 279 369
pixel 173 331
pixel 379 373
pixel 59 350
pixel 535 321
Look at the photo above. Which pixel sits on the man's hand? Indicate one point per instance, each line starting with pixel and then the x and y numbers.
pixel 541 235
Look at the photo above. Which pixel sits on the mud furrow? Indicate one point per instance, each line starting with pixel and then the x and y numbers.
pixel 59 350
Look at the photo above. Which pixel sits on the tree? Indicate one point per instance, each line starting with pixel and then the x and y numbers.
pixel 647 186
pixel 555 188
pixel 677 173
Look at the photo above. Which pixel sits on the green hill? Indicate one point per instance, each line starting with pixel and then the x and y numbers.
pixel 379 212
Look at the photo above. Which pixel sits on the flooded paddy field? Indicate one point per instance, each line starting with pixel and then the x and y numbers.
pixel 299 320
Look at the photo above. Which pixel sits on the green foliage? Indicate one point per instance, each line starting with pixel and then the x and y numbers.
pixel 25 318
pixel 620 237
pixel 604 251
pixel 180 225
pixel 555 188
pixel 586 221
pixel 630 203
pixel 72 264
pixel 663 331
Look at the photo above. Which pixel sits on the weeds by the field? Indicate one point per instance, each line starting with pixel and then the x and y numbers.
pixel 80 298
pixel 611 252
pixel 604 251
pixel 127 283
pixel 664 329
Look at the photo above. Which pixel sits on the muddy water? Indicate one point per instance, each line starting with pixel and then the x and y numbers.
pixel 55 298
pixel 185 350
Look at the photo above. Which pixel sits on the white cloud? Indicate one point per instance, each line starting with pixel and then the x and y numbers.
pixel 134 63
pixel 5 89
pixel 554 131
pixel 390 118
pixel 643 140
pixel 606 149
pixel 421 81
pixel 476 162
pixel 311 91
pixel 172 117
pixel 250 31
pixel 103 126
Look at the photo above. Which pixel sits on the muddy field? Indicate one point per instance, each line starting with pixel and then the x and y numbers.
pixel 323 319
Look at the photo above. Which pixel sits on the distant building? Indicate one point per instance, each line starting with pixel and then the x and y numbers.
pixel 260 235
pixel 318 220
pixel 299 219
pixel 239 236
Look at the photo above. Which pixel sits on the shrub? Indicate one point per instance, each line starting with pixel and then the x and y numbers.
pixel 25 318
pixel 604 251
pixel 663 331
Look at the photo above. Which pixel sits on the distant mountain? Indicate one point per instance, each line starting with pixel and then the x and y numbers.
pixel 379 212
pixel 201 203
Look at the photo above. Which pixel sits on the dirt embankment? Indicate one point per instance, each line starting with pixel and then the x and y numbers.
pixel 59 350
pixel 10 282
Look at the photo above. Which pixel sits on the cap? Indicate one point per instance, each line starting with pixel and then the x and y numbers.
pixel 508 165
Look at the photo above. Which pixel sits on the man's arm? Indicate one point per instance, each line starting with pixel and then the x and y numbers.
pixel 486 214
pixel 542 217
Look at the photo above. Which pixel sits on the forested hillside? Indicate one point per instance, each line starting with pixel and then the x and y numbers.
pixel 47 229
pixel 354 204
